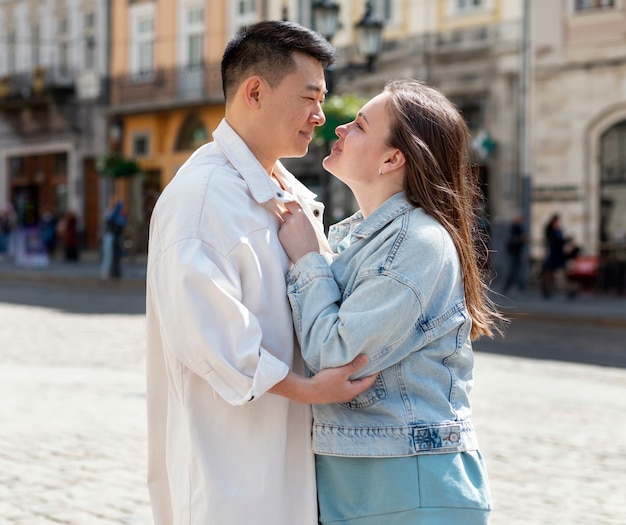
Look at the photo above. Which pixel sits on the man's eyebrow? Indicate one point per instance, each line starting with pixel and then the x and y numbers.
pixel 317 89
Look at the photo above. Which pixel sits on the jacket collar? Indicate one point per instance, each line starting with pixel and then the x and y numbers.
pixel 261 186
pixel 393 207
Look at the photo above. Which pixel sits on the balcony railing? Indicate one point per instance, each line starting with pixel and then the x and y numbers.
pixel 167 87
pixel 30 84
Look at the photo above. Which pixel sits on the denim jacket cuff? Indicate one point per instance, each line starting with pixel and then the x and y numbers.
pixel 309 267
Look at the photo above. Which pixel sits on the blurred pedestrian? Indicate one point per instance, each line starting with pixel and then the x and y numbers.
pixel 48 226
pixel 114 225
pixel 7 222
pixel 555 258
pixel 67 230
pixel 515 244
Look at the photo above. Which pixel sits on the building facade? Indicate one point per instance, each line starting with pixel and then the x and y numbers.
pixel 578 123
pixel 141 79
pixel 53 108
pixel 574 107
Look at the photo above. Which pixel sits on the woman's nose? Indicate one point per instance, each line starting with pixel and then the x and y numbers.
pixel 340 131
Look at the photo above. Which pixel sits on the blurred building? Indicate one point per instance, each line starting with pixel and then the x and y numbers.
pixel 159 62
pixel 473 50
pixel 578 122
pixel 53 68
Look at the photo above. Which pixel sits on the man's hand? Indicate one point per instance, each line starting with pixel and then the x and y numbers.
pixel 296 233
pixel 332 385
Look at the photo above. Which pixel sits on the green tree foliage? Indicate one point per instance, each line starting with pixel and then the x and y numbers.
pixel 114 165
pixel 339 109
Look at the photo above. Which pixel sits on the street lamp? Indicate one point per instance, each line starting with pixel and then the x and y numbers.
pixel 369 36
pixel 325 18
pixel 368 30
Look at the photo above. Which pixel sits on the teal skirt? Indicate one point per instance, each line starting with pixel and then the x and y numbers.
pixel 437 489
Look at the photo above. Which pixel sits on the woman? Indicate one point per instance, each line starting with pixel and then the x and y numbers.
pixel 405 289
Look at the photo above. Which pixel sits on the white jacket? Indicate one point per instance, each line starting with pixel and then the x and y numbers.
pixel 222 450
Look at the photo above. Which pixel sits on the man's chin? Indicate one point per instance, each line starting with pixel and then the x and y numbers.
pixel 296 155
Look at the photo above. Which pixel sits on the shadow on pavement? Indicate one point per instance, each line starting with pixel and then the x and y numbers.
pixel 74 298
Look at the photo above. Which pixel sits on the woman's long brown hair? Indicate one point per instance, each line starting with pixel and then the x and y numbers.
pixel 434 138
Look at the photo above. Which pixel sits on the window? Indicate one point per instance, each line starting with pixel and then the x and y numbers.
pixel 141 144
pixel 60 164
pixel 466 5
pixel 246 7
pixel 388 11
pixel 588 5
pixel 63 46
pixel 472 111
pixel 142 39
pixel 192 134
pixel 192 33
pixel 243 13
pixel 613 184
pixel 89 33
pixel 35 46
pixel 469 7
pixel 11 52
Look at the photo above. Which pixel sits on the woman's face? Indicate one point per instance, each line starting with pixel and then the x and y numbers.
pixel 360 151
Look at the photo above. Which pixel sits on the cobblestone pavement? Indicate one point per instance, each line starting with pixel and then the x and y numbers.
pixel 73 444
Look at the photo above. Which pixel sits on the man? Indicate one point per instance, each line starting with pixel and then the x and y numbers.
pixel 228 414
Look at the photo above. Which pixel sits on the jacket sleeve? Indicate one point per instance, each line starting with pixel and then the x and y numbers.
pixel 333 330
pixel 205 325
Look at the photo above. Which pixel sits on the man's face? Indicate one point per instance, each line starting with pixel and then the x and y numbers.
pixel 293 109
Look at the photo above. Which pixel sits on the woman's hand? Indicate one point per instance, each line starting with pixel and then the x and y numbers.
pixel 297 234
pixel 332 385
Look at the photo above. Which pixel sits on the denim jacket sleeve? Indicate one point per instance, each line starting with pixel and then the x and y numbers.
pixel 377 318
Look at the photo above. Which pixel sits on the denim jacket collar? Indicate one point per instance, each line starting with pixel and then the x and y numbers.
pixel 365 227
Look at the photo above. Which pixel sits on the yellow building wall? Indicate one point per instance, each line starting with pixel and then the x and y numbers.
pixel 450 22
pixel 163 129
pixel 163 126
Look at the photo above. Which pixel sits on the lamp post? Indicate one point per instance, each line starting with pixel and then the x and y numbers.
pixel 524 131
pixel 369 36
pixel 325 18
pixel 325 15
pixel 368 30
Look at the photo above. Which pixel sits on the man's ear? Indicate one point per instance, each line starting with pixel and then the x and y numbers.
pixel 252 90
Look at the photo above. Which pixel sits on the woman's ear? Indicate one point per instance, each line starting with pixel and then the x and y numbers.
pixel 395 160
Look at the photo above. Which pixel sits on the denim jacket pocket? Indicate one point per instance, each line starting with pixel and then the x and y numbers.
pixel 377 392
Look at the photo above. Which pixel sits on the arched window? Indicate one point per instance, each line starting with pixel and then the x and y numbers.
pixel 192 134
pixel 613 184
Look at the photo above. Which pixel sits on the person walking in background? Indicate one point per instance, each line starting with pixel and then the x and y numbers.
pixel 114 224
pixel 515 244
pixel 406 289
pixel 229 424
pixel 7 223
pixel 48 225
pixel 555 258
pixel 67 229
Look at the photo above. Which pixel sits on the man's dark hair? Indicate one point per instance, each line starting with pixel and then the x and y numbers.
pixel 266 49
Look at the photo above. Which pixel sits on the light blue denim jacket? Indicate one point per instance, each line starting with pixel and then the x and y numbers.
pixel 396 294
